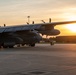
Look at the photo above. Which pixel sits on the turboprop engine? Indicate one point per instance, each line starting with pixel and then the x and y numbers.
pixel 51 32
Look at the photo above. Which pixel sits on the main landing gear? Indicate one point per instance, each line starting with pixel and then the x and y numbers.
pixel 31 45
pixel 8 47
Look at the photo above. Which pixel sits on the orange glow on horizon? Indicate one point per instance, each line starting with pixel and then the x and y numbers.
pixel 70 17
pixel 71 27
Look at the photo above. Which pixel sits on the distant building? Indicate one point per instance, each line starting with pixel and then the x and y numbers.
pixel 61 39
pixel 65 39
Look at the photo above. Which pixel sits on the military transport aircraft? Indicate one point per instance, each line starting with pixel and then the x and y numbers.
pixel 27 34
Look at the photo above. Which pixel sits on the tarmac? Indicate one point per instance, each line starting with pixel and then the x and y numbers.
pixel 43 59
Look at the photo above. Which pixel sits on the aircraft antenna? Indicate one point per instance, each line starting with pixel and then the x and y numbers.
pixel 43 21
pixel 32 22
pixel 49 20
pixel 4 25
pixel 28 19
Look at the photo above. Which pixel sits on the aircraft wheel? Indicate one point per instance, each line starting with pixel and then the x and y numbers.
pixel 11 47
pixel 22 44
pixel 18 45
pixel 5 46
pixel 51 43
pixel 32 45
pixel 0 46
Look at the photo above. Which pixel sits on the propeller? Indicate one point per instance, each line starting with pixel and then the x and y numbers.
pixel 45 22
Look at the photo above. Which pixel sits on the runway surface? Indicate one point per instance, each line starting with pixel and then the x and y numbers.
pixel 43 59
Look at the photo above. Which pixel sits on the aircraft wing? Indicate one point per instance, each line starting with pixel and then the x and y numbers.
pixel 9 29
pixel 60 23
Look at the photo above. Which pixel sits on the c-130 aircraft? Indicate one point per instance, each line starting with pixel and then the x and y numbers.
pixel 27 34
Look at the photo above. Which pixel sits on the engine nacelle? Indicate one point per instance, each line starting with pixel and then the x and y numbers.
pixel 51 32
pixel 55 32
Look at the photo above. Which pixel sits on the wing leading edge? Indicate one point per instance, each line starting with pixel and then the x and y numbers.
pixel 30 27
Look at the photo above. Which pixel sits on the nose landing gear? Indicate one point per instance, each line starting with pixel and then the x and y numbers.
pixel 52 42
